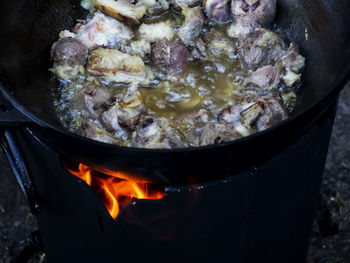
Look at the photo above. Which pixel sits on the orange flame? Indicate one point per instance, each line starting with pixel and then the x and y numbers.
pixel 114 191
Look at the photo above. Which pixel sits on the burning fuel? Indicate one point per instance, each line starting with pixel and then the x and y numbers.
pixel 114 191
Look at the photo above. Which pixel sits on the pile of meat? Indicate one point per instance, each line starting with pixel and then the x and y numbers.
pixel 117 46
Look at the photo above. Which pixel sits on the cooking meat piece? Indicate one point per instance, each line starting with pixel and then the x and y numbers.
pixel 179 4
pixel 290 78
pixel 156 7
pixel 265 113
pixel 103 31
pixel 69 57
pixel 273 113
pixel 67 72
pixel 131 108
pixel 138 47
pixel 169 56
pixel 218 10
pixel 125 113
pixel 292 60
pixel 251 113
pixel 116 66
pixel 96 98
pixel 157 133
pixel 192 26
pixel 192 124
pixel 69 51
pixel 110 120
pixel 199 50
pixel 215 133
pixel 231 114
pixel 93 131
pixel 251 14
pixel 122 10
pixel 259 48
pixel 219 45
pixel 156 31
pixel 267 77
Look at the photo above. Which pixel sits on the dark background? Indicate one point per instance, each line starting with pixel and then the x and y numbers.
pixel 330 241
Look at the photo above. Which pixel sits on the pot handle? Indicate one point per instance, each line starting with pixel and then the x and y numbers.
pixel 14 155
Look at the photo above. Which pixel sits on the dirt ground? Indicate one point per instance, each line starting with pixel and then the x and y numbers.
pixel 330 242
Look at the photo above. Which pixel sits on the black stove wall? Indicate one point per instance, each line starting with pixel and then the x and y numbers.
pixel 262 215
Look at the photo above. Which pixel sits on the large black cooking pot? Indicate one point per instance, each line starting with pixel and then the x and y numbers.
pixel 29 27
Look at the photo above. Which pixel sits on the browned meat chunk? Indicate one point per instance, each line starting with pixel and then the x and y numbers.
pixel 199 50
pixel 96 98
pixel 157 133
pixel 251 14
pixel 292 60
pixel 125 113
pixel 218 10
pixel 267 77
pixel 273 114
pixel 231 114
pixel 192 124
pixel 94 132
pixel 259 48
pixel 192 26
pixel 103 31
pixel 156 7
pixel 69 51
pixel 122 10
pixel 116 66
pixel 265 113
pixel 215 133
pixel 169 56
pixel 220 46
pixel 179 4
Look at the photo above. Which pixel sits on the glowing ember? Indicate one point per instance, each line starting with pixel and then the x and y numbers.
pixel 114 191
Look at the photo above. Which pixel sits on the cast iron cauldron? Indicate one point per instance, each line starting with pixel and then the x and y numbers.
pixel 29 27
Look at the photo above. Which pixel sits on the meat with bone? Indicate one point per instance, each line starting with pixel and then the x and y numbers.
pixel 157 133
pixel 169 56
pixel 218 10
pixel 231 114
pixel 116 66
pixel 122 10
pixel 156 31
pixel 266 78
pixel 251 14
pixel 259 48
pixel 103 31
pixel 96 97
pixel 156 7
pixel 192 26
pixel 273 113
pixel 94 132
pixel 265 113
pixel 125 113
pixel 292 60
pixel 215 133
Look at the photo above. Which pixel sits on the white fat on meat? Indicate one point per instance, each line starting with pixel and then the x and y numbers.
pixel 116 66
pixel 103 31
pixel 158 30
